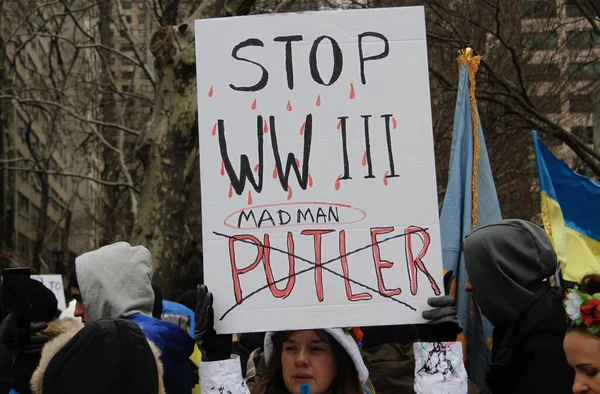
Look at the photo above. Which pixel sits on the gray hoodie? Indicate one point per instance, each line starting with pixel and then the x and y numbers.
pixel 115 281
pixel 508 263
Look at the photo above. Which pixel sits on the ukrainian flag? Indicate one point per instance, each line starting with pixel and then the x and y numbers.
pixel 570 212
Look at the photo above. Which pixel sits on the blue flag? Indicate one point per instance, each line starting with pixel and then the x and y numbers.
pixel 470 201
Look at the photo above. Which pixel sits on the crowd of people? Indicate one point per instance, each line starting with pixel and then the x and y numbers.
pixel 123 338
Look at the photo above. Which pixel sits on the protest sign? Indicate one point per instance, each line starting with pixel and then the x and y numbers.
pixel 54 283
pixel 319 201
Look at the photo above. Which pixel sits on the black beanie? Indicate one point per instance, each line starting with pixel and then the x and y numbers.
pixel 43 303
pixel 108 356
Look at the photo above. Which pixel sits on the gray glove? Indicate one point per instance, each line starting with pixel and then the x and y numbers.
pixel 444 312
pixel 444 316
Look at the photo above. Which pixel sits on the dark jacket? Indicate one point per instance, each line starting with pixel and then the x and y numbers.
pixel 528 357
pixel 108 356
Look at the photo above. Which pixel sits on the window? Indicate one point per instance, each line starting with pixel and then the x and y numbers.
pixel 128 19
pixel 52 165
pixel 23 245
pixel 22 128
pixel 125 61
pixel 36 215
pixel 545 72
pixel 548 104
pixel 146 89
pixel 126 47
pixel 35 142
pixel 584 71
pixel 573 10
pixel 142 32
pixel 126 5
pixel 580 103
pixel 586 133
pixel 144 75
pixel 539 9
pixel 582 39
pixel 540 41
pixel 127 74
pixel 127 88
pixel 23 206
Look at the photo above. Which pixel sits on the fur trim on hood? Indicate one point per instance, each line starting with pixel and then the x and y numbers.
pixel 62 332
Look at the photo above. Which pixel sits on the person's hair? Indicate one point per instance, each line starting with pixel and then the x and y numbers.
pixel 157 308
pixel 590 284
pixel 346 381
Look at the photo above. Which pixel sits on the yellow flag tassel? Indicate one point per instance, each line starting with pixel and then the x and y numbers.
pixel 465 56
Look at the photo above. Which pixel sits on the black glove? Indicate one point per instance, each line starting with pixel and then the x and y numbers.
pixel 213 347
pixel 443 323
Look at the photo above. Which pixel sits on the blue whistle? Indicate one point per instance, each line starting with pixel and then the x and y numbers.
pixel 305 389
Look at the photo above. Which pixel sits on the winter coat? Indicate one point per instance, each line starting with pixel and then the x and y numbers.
pixel 176 347
pixel 529 357
pixel 108 356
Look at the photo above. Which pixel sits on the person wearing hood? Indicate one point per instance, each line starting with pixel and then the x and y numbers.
pixel 107 356
pixel 509 264
pixel 326 360
pixel 115 282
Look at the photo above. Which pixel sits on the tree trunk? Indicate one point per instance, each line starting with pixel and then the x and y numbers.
pixel 596 122
pixel 160 224
pixel 40 238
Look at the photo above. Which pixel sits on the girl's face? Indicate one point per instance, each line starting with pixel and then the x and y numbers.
pixel 308 359
pixel 583 354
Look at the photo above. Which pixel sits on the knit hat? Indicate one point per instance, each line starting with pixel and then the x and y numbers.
pixel 42 301
pixel 344 339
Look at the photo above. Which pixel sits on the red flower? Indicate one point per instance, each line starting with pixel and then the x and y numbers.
pixel 590 313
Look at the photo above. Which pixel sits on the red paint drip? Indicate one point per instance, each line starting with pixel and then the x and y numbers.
pixel 230 194
pixel 266 128
pixel 275 172
pixel 394 122
pixel 364 159
pixel 337 183
pixel 256 167
pixel 214 130
pixel 385 179
pixel 318 101
pixel 222 168
pixel 310 180
pixel 289 105
pixel 339 124
pixel 302 128
pixel 352 93
pixel 289 196
pixel 211 91
pixel 249 197
pixel 297 162
pixel 253 106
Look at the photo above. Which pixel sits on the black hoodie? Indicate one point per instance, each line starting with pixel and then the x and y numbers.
pixel 509 264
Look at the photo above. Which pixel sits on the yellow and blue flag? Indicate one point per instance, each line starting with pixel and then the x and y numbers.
pixel 470 201
pixel 570 212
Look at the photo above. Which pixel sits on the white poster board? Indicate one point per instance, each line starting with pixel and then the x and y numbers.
pixel 319 200
pixel 54 283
